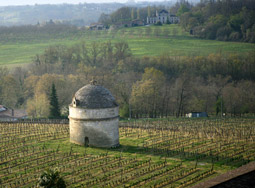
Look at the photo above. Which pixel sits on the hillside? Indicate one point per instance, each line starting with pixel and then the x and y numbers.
pixel 143 41
pixel 190 74
pixel 76 14
pixel 80 15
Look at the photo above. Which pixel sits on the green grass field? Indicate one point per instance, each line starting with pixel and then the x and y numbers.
pixel 143 41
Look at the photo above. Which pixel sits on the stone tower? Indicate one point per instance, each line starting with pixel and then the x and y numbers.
pixel 94 117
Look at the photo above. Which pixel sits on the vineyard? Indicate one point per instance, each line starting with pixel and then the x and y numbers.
pixel 163 153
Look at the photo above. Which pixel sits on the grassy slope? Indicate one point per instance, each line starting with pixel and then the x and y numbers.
pixel 143 41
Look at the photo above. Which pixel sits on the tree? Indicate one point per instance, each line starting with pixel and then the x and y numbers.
pixel 92 56
pixel 217 84
pixel 105 19
pixel 124 13
pixel 132 14
pixel 235 22
pixel 199 97
pixel 232 96
pixel 219 106
pixel 182 92
pixel 149 11
pixel 38 106
pixel 3 73
pixel 9 91
pixel 221 20
pixel 51 179
pixel 54 106
pixel 147 94
pixel 124 111
pixel 247 98
pixel 184 8
pixel 138 14
pixel 122 51
pixel 29 86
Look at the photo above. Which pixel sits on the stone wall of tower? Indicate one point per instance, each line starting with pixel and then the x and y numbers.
pixel 99 126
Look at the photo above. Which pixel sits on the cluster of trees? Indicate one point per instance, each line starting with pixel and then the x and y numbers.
pixel 146 86
pixel 228 20
pixel 129 13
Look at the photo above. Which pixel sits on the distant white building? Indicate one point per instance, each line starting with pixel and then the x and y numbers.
pixel 163 16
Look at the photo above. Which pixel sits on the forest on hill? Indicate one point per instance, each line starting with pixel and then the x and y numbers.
pixel 227 20
pixel 147 86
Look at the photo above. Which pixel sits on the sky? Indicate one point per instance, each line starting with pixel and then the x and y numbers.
pixel 32 2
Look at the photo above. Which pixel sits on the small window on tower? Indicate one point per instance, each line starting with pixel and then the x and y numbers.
pixel 75 102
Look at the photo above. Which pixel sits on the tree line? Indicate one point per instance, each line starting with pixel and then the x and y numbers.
pixel 226 20
pixel 129 13
pixel 145 86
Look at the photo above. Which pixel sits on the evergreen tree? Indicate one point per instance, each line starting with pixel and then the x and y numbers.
pixel 54 106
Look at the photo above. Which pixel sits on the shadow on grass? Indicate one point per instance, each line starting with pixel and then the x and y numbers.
pixel 184 156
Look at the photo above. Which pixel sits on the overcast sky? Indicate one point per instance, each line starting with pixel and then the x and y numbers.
pixel 32 2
